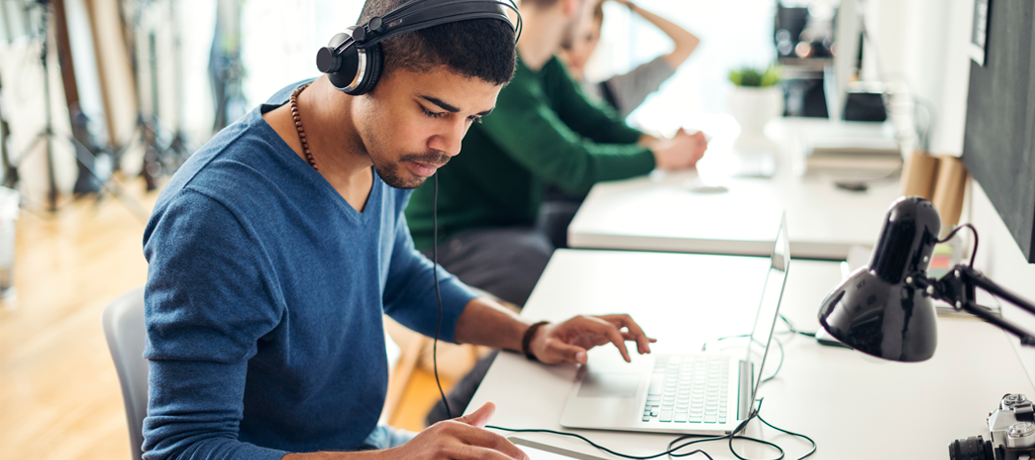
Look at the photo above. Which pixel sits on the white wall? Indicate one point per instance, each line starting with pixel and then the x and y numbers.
pixel 924 43
pixel 733 33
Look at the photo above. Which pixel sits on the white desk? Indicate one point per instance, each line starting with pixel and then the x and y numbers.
pixel 855 407
pixel 661 214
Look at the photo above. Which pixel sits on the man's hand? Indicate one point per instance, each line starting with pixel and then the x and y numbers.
pixel 569 341
pixel 681 152
pixel 459 439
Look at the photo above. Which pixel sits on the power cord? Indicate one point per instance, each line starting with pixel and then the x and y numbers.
pixel 956 230
pixel 794 330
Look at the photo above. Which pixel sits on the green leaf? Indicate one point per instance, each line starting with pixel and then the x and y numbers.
pixel 756 77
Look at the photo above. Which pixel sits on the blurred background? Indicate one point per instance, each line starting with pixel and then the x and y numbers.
pixel 102 100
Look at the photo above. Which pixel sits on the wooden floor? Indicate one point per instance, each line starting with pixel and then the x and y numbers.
pixel 59 394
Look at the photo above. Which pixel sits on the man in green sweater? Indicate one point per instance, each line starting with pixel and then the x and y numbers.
pixel 543 131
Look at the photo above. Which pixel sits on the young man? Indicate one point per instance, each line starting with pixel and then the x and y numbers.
pixel 543 132
pixel 276 248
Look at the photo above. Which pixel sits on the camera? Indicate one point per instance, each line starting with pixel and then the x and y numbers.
pixel 1011 434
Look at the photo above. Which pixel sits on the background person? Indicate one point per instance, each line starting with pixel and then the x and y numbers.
pixel 625 92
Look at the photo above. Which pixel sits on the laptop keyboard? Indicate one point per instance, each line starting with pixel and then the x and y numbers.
pixel 688 389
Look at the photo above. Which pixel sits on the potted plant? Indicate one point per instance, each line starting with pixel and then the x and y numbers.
pixel 755 100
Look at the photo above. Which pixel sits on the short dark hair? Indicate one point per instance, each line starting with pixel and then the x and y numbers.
pixel 481 48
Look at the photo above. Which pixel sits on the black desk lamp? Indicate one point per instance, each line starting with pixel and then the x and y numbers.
pixel 884 308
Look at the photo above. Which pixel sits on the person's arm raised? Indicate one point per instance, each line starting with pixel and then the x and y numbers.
pixel 685 41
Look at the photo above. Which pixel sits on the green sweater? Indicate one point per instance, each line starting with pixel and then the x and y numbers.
pixel 543 130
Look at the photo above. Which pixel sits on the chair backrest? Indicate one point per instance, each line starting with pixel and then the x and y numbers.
pixel 123 322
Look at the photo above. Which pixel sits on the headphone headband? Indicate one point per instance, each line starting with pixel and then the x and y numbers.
pixel 349 49
pixel 417 15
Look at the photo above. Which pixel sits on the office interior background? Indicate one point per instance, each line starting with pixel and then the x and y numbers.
pixel 160 77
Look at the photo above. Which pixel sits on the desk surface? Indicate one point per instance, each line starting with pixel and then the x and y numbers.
pixel 659 213
pixel 836 396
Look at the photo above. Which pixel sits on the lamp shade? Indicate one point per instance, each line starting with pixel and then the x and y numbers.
pixel 879 309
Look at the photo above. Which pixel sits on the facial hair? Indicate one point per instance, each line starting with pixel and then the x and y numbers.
pixel 392 171
pixel 396 175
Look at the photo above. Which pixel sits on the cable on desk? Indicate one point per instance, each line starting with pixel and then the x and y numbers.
pixel 670 452
pixel 779 364
pixel 674 447
pixel 792 434
pixel 794 329
pixel 779 345
pixel 598 446
pixel 733 435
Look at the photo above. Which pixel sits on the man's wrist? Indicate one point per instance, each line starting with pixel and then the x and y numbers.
pixel 526 340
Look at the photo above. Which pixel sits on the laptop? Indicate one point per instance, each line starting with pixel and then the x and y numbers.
pixel 694 393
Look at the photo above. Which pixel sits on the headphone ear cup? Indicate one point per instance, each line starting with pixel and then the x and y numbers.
pixel 375 63
pixel 340 70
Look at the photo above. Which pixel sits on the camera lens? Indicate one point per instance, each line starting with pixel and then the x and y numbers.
pixel 972 448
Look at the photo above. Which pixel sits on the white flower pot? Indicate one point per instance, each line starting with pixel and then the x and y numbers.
pixel 753 107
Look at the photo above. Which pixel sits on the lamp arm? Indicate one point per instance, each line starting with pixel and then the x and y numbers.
pixel 977 310
pixel 973 276
pixel 957 288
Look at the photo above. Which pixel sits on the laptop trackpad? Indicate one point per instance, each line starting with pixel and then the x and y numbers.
pixel 609 385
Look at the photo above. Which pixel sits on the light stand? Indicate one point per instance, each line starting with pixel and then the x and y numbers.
pixel 10 173
pixel 178 151
pixel 47 135
pixel 157 160
pixel 83 155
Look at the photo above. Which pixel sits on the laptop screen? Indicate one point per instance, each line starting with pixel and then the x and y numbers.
pixel 765 321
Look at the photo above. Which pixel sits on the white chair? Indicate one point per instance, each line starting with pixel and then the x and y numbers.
pixel 123 322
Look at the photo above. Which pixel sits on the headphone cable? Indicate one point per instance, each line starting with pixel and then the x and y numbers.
pixel 438 297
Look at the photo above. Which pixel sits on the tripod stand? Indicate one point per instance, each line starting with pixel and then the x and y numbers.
pixel 157 160
pixel 48 135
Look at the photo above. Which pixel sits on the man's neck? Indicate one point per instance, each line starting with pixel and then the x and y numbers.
pixel 542 35
pixel 333 141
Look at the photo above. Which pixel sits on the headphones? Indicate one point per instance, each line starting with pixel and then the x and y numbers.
pixel 353 60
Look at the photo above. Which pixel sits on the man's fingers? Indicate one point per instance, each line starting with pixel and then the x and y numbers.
pixel 485 439
pixel 616 338
pixel 572 353
pixel 468 452
pixel 480 417
pixel 608 329
pixel 626 321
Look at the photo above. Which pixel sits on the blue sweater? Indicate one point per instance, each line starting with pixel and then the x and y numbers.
pixel 264 302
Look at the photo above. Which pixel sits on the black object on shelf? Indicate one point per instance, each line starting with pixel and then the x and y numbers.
pixel 865 106
pixel 885 308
